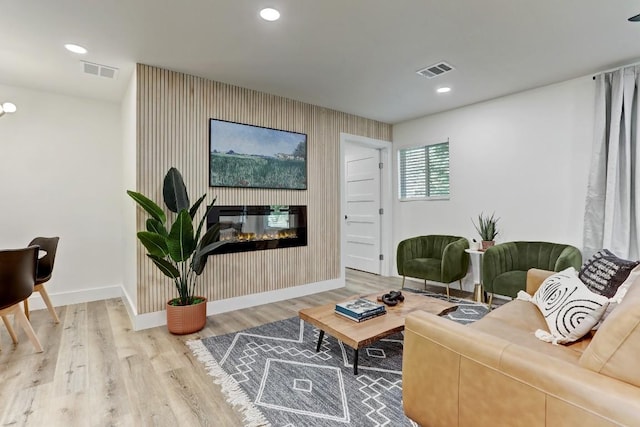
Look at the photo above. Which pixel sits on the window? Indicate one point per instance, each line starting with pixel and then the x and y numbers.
pixel 424 172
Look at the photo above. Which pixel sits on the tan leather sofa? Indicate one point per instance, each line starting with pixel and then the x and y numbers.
pixel 495 372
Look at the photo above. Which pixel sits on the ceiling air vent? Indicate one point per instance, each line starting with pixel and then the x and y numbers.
pixel 435 70
pixel 99 70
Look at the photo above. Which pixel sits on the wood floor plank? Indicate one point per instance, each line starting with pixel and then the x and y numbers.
pixel 108 397
pixel 71 374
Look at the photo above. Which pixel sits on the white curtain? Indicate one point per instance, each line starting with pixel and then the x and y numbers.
pixel 612 214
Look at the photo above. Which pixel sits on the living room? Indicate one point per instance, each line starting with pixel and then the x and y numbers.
pixel 71 154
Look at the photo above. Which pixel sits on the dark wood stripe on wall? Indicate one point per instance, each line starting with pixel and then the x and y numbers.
pixel 173 130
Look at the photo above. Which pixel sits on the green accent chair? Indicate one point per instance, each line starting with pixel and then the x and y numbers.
pixel 504 266
pixel 435 257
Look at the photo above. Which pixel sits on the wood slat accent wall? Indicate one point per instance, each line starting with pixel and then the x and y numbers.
pixel 173 130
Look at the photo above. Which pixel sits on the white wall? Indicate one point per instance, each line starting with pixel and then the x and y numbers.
pixel 524 156
pixel 129 130
pixel 61 175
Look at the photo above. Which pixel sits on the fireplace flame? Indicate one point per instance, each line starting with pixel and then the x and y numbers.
pixel 253 237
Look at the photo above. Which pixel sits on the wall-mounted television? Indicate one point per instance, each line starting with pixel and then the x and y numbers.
pixel 242 155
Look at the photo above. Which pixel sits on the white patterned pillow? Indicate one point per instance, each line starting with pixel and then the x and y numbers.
pixel 568 306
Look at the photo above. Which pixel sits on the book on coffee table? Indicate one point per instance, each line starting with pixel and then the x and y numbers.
pixel 359 308
pixel 363 318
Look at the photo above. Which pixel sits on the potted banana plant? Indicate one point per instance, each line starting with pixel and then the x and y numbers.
pixel 179 252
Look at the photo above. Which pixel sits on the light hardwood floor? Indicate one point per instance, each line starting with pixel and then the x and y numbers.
pixel 96 371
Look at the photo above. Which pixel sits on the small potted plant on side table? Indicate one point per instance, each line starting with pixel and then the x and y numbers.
pixel 487 229
pixel 179 252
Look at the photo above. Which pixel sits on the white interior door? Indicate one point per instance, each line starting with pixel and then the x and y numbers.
pixel 362 213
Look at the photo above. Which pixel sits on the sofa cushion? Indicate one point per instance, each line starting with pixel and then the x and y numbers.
pixel 614 349
pixel 604 272
pixel 517 322
pixel 423 268
pixel 568 306
pixel 510 283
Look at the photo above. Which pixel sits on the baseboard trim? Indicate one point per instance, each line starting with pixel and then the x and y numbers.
pixel 75 297
pixel 159 318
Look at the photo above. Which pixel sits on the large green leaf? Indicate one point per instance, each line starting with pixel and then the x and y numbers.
pixel 196 205
pixel 148 205
pixel 210 242
pixel 155 226
pixel 204 218
pixel 165 266
pixel 174 191
pixel 180 242
pixel 202 255
pixel 155 243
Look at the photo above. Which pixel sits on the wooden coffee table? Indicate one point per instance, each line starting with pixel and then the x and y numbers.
pixel 358 335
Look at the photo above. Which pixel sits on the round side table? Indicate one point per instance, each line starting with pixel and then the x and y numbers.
pixel 476 269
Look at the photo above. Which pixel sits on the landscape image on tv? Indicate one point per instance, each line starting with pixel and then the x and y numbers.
pixel 256 157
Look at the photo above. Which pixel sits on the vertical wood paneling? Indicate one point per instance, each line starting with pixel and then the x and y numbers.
pixel 173 130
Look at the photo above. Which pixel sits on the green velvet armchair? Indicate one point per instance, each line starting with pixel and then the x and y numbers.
pixel 435 257
pixel 504 266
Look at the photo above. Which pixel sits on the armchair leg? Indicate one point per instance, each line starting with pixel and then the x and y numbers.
pixel 47 301
pixel 490 300
pixel 425 284
pixel 28 329
pixel 460 281
pixel 448 292
pixel 403 277
pixel 12 333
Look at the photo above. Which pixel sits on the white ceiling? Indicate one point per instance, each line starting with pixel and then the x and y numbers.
pixel 357 56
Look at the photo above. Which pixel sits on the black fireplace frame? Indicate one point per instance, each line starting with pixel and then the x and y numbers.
pixel 263 244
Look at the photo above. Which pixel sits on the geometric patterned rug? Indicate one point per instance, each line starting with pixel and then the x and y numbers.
pixel 274 377
pixel 467 312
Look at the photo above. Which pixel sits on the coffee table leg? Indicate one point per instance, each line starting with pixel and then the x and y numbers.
pixel 355 362
pixel 320 337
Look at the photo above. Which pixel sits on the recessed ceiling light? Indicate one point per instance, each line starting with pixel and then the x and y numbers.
pixel 269 14
pixel 9 107
pixel 443 89
pixel 75 48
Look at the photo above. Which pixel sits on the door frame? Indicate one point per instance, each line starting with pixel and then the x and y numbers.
pixel 386 223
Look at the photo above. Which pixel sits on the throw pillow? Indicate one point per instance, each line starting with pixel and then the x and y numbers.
pixel 604 272
pixel 620 293
pixel 568 306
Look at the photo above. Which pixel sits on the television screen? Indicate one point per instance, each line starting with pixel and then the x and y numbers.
pixel 256 157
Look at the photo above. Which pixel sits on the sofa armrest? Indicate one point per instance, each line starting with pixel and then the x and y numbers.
pixel 455 375
pixel 431 366
pixel 569 257
pixel 455 261
pixel 535 277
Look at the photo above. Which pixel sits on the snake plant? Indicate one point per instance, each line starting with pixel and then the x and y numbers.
pixel 486 226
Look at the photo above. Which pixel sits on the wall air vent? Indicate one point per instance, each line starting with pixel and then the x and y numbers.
pixel 99 70
pixel 435 70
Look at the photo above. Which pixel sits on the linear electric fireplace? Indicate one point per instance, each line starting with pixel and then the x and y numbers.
pixel 255 228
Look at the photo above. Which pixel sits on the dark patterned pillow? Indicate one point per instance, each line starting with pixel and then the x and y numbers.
pixel 604 272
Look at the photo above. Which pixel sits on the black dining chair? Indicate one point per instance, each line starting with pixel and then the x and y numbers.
pixel 17 279
pixel 45 269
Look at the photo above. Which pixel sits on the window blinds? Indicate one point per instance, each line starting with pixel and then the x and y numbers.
pixel 424 171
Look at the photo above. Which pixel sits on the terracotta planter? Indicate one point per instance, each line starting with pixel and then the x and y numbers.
pixel 486 244
pixel 186 319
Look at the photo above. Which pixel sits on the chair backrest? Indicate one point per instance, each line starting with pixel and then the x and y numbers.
pixel 543 255
pixel 434 244
pixel 17 274
pixel 45 264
